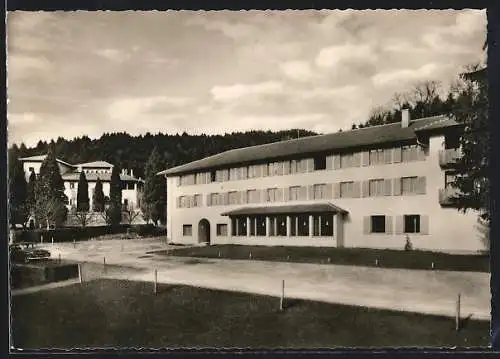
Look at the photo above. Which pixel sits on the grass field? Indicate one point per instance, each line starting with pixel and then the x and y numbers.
pixel 386 258
pixel 111 313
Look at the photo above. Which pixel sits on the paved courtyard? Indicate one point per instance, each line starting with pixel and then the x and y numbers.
pixel 431 292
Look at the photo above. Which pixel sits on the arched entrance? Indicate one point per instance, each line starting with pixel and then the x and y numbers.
pixel 204 231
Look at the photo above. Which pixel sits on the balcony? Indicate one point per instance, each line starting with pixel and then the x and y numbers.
pixel 446 196
pixel 448 157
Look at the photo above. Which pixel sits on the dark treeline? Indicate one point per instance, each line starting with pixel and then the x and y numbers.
pixel 132 152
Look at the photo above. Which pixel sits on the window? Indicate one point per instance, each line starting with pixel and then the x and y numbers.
pixel 295 166
pixel 409 185
pixel 346 189
pixel 125 202
pixel 319 191
pixel 130 185
pixel 252 196
pixel 241 225
pixel 253 171
pixel 222 229
pixel 451 141
pixel 376 187
pixel 412 223
pixel 320 163
pixel 294 225
pixel 376 156
pixel 281 226
pixel 261 225
pixel 214 199
pixel 303 225
pixel 272 195
pixel 449 179
pixel 233 198
pixel 70 201
pixel 377 224
pixel 275 169
pixel 409 153
pixel 346 160
pixel 253 221
pixel 294 194
pixel 197 200
pixel 187 230
pixel 326 225
pixel 31 169
pixel 72 185
pixel 213 176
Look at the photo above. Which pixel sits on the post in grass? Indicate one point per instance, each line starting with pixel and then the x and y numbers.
pixel 250 255
pixel 376 262
pixel 59 257
pixel 104 264
pixel 155 284
pixel 74 243
pixel 457 315
pixel 80 273
pixel 282 298
pixel 432 265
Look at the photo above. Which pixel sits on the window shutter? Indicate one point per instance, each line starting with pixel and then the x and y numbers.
pixel 420 154
pixel 303 193
pixel 279 194
pixel 179 202
pixel 310 164
pixel 366 224
pixel 329 162
pixel 329 190
pixel 264 170
pixel 286 168
pixel 336 189
pixel 387 187
pixel 396 186
pixel 356 159
pixel 356 189
pixel 191 201
pixel 286 194
pixel 424 224
pixel 396 155
pixel 336 162
pixel 388 224
pixel 365 158
pixel 310 192
pixel 243 197
pixel 421 184
pixel 262 195
pixel 399 224
pixel 365 189
pixel 388 155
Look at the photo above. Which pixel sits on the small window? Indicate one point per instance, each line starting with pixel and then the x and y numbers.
pixel 412 223
pixel 31 169
pixel 409 185
pixel 449 179
pixel 346 189
pixel 376 187
pixel 72 185
pixel 377 224
pixel 222 229
pixel 125 202
pixel 212 176
pixel 320 163
pixel 197 200
pixel 187 230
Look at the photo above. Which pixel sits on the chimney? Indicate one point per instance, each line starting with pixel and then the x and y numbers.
pixel 405 117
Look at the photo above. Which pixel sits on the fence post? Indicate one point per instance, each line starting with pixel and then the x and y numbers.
pixel 74 243
pixel 80 273
pixel 432 265
pixel 282 299
pixel 59 257
pixel 376 262
pixel 52 240
pixel 155 288
pixel 457 316
pixel 104 264
pixel 250 255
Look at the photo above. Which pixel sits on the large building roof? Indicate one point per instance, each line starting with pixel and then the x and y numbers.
pixel 369 136
pixel 287 209
pixel 95 164
pixel 92 177
pixel 40 158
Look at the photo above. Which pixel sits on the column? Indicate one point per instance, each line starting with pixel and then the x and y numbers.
pixel 311 225
pixel 296 224
pixel 230 228
pixel 288 226
pixel 236 232
pixel 319 224
pixel 275 225
pixel 255 227
pixel 248 226
pixel 268 225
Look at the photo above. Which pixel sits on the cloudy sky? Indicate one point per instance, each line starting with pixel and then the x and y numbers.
pixel 79 73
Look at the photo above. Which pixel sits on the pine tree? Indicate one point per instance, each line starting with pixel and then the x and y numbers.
pixel 114 212
pixel 155 192
pixel 82 196
pixel 471 109
pixel 31 195
pixel 18 188
pixel 50 198
pixel 98 197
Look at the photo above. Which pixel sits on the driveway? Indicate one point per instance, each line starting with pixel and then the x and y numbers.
pixel 431 292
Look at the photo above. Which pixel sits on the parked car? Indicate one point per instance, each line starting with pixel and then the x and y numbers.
pixel 20 255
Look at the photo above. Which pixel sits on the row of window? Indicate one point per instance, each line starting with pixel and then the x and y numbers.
pixel 332 162
pixel 349 189
pixel 322 225
pixel 125 185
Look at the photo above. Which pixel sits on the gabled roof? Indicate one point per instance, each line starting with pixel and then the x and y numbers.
pixel 40 158
pixel 369 136
pixel 92 177
pixel 95 164
pixel 288 209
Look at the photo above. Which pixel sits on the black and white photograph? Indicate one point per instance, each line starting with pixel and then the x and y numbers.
pixel 264 179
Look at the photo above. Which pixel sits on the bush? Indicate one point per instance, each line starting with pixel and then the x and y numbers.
pixel 148 230
pixel 67 234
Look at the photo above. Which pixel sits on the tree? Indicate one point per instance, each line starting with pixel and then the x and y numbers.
pixel 82 196
pixel 98 197
pixel 471 110
pixel 155 192
pixel 131 214
pixel 84 218
pixel 50 198
pixel 114 211
pixel 18 189
pixel 31 195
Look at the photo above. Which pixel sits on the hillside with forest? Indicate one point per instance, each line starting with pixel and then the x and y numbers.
pixel 126 151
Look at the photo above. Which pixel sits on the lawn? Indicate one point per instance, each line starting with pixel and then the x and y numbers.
pixel 111 313
pixel 385 258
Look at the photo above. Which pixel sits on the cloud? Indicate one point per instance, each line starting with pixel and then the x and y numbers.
pixel 390 76
pixel 131 109
pixel 113 54
pixel 27 118
pixel 238 91
pixel 297 70
pixel 334 55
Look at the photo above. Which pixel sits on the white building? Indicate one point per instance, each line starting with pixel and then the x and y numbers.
pixel 368 187
pixel 131 186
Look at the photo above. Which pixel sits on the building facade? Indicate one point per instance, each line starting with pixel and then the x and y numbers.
pixel 131 186
pixel 370 187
